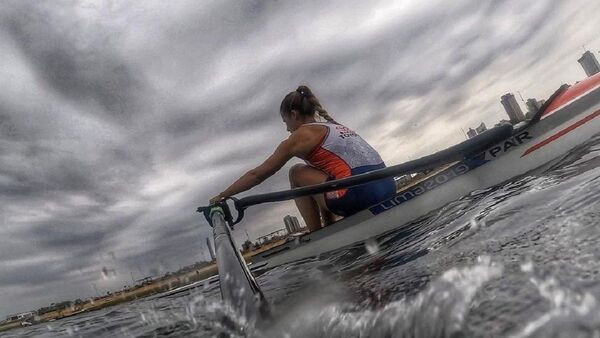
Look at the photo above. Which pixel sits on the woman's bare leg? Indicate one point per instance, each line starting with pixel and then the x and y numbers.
pixel 327 216
pixel 311 207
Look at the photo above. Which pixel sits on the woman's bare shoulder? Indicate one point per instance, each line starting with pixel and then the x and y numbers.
pixel 313 128
pixel 310 131
pixel 307 137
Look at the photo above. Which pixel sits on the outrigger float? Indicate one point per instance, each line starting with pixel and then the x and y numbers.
pixel 570 117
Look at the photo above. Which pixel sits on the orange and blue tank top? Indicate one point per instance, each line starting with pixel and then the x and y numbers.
pixel 342 153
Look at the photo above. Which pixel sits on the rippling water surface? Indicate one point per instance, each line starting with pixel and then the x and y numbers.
pixel 521 259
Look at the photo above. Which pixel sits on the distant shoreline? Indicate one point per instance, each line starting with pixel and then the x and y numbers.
pixel 119 297
pixel 167 284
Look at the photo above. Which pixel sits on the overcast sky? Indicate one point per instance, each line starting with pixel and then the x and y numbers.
pixel 119 118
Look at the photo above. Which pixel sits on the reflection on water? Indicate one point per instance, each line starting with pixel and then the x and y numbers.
pixel 521 260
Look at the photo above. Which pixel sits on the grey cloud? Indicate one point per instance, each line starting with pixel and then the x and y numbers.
pixel 8 130
pixel 79 67
pixel 44 170
pixel 66 235
pixel 31 275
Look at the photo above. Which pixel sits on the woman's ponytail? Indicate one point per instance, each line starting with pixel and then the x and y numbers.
pixel 306 103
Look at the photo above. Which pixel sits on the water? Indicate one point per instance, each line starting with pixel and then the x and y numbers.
pixel 518 260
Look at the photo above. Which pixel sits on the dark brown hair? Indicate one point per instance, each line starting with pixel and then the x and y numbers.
pixel 305 102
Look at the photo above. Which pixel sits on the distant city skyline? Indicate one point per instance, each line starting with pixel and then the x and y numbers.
pixel 588 62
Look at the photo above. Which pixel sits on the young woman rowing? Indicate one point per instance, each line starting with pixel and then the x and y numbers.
pixel 331 151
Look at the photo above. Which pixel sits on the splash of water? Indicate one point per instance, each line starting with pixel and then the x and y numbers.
pixel 570 314
pixel 438 311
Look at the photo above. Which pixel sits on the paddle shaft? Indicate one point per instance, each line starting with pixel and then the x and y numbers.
pixel 239 289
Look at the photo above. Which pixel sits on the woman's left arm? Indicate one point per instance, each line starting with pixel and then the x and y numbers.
pixel 254 177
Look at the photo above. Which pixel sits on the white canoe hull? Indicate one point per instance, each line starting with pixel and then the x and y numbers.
pixel 573 119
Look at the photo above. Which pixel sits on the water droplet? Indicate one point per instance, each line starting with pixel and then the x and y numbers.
pixel 371 246
pixel 474 224
pixel 484 260
pixel 527 266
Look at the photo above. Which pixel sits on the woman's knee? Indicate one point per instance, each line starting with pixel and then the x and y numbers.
pixel 295 172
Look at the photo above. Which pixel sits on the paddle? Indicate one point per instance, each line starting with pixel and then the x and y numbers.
pixel 239 289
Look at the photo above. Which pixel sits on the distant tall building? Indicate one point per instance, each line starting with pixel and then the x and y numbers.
pixel 533 106
pixel 471 133
pixel 589 63
pixel 478 130
pixel 291 224
pixel 512 108
pixel 481 128
pixel 210 249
